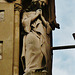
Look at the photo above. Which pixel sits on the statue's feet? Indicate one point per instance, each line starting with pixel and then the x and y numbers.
pixel 31 73
pixel 43 69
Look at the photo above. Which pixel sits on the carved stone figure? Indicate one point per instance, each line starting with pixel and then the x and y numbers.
pixel 36 41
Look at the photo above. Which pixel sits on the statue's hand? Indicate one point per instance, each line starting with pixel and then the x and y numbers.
pixel 39 12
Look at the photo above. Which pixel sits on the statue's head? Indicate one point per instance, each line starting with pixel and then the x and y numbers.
pixel 37 4
pixel 41 1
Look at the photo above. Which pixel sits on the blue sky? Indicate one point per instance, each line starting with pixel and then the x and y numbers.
pixel 64 60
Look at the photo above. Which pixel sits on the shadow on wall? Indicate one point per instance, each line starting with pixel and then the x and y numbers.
pixel 10 1
pixel 26 3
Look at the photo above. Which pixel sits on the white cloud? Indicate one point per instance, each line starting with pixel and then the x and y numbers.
pixel 58 71
pixel 64 61
pixel 66 18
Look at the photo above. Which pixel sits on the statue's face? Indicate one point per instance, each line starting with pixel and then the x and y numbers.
pixel 44 1
pixel 41 1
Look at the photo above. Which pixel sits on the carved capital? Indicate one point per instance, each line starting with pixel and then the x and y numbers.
pixel 18 7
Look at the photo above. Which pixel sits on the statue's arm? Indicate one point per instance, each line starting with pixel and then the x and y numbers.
pixel 36 15
pixel 31 18
pixel 46 23
pixel 26 22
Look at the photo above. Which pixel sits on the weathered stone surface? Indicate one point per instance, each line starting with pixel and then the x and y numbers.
pixel 6 35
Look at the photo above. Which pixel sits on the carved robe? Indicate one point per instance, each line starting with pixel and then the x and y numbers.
pixel 36 44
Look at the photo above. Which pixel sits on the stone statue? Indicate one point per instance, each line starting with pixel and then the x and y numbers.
pixel 36 40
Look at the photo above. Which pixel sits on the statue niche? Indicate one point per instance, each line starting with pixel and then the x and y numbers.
pixel 36 40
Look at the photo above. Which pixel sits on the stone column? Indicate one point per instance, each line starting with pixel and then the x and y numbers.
pixel 16 40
